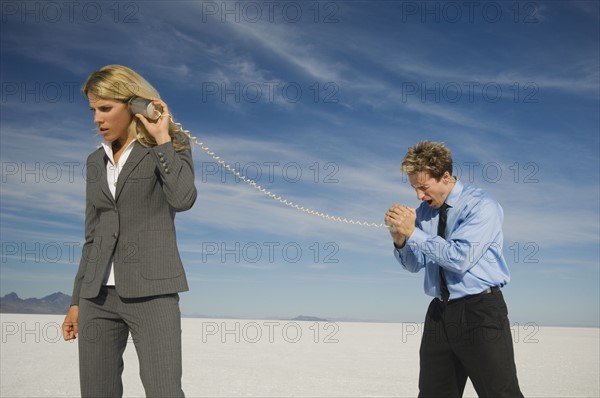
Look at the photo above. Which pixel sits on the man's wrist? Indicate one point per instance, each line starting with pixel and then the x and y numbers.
pixel 400 245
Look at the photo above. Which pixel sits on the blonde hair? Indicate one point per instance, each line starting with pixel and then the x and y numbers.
pixel 432 157
pixel 120 83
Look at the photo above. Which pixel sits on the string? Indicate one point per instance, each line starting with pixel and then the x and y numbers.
pixel 270 194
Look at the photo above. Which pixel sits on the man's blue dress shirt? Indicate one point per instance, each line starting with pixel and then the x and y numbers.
pixel 471 254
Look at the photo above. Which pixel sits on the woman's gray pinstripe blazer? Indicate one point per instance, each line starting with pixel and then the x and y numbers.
pixel 136 229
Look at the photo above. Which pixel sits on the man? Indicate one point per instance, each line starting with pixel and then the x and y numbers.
pixel 456 236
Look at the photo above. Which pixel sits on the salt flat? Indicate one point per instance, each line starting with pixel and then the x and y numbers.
pixel 234 358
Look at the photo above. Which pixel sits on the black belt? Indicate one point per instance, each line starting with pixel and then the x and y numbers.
pixel 489 290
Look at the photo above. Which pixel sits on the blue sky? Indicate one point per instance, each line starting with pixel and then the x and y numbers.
pixel 319 102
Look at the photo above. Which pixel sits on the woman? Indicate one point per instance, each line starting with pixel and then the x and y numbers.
pixel 130 271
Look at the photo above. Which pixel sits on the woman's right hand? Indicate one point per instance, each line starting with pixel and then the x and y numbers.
pixel 70 327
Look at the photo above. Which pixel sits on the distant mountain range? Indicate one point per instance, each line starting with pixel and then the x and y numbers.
pixel 309 318
pixel 59 303
pixel 56 303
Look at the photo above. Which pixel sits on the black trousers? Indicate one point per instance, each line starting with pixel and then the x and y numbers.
pixel 471 338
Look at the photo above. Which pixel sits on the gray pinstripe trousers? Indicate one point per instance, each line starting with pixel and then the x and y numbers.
pixel 104 326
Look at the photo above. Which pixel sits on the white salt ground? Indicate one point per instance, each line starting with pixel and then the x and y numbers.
pixel 244 358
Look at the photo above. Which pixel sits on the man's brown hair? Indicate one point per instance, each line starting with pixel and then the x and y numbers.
pixel 432 157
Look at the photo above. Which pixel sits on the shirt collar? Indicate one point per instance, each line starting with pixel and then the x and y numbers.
pixel 454 194
pixel 108 149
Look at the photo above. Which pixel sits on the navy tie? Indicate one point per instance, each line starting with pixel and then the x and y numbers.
pixel 442 232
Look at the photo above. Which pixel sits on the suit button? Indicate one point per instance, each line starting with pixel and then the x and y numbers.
pixel 167 170
pixel 160 154
pixel 116 235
